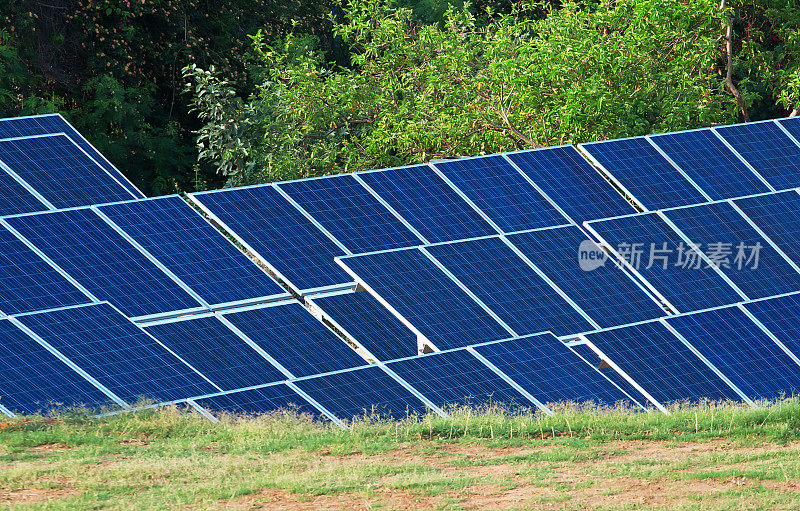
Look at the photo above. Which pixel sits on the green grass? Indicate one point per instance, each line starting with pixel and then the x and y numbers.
pixel 711 456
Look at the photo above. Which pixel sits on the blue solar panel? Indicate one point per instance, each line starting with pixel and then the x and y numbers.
pixel 350 213
pixel 101 260
pixel 280 234
pixel 15 198
pixel 60 171
pixel 551 372
pixel 367 392
pixel 767 148
pixel 510 287
pixel 192 249
pixel 502 193
pixel 661 364
pixel 593 359
pixel 687 288
pixel 741 351
pixel 606 293
pixel 420 196
pixel 792 125
pixel 27 283
pixel 425 296
pixel 217 352
pixel 54 123
pixel 33 380
pixel 770 274
pixel 778 216
pixel 572 182
pixel 456 378
pixel 370 324
pixel 781 316
pixel 709 162
pixel 117 353
pixel 291 335
pixel 263 400
pixel 644 172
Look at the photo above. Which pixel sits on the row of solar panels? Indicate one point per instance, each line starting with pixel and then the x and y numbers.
pixel 41 160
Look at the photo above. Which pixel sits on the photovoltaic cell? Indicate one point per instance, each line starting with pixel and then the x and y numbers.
pixel 456 378
pixel 709 162
pixel 33 380
pixel 279 233
pixel 720 223
pixel 192 249
pixel 95 255
pixel 792 125
pixel 550 371
pixel 54 123
pixel 15 198
pixel 742 351
pixel 296 339
pixel 349 212
pixel 687 288
pixel 509 287
pixel 60 171
pixel 572 182
pixel 28 283
pixel 502 193
pixel 644 172
pixel 217 352
pixel 370 324
pixel 425 296
pixel 778 216
pixel 420 196
pixel 606 293
pixel 117 353
pixel 264 400
pixel 767 148
pixel 781 316
pixel 661 364
pixel 594 360
pixel 367 392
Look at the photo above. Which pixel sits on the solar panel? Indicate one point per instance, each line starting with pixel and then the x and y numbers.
pixel 296 339
pixel 742 351
pixel 551 372
pixel 640 169
pixel 768 149
pixel 572 182
pixel 584 351
pixel 54 123
pixel 28 283
pixel 509 287
pixel 778 216
pixel 349 212
pixel 370 324
pixel 269 225
pixel 767 274
pixel 780 316
pixel 216 351
pixel 710 163
pixel 427 203
pixel 501 192
pixel 687 287
pixel 193 250
pixel 117 353
pixel 792 125
pixel 457 378
pixel 262 400
pixel 367 393
pixel 661 364
pixel 33 380
pixel 605 293
pixel 15 198
pixel 102 261
pixel 61 171
pixel 426 297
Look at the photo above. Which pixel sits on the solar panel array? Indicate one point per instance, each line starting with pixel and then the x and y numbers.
pixel 317 295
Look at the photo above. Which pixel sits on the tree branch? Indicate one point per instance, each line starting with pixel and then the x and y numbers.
pixel 729 71
pixel 795 112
